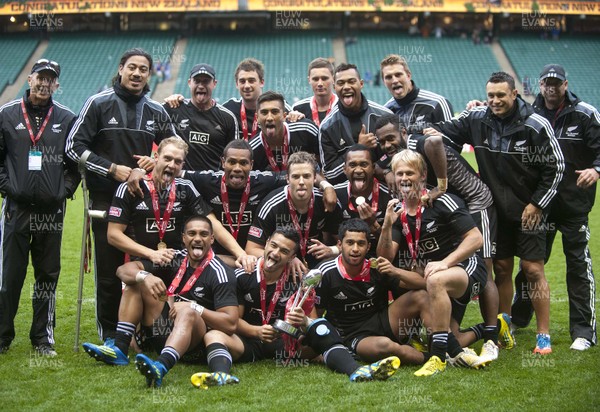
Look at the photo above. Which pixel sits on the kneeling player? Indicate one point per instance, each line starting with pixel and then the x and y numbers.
pixel 449 239
pixel 262 297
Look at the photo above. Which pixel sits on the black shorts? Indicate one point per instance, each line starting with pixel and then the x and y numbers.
pixel 487 221
pixel 377 325
pixel 477 271
pixel 513 241
pixel 256 350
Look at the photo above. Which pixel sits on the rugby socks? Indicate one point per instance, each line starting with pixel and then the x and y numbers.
pixel 490 333
pixel 454 347
pixel 439 344
pixel 338 359
pixel 219 358
pixel 168 357
pixel 477 330
pixel 125 331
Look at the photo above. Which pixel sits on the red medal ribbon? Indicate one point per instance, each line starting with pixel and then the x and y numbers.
pixel 364 275
pixel 314 109
pixel 263 292
pixel 245 122
pixel 197 272
pixel 374 197
pixel 286 151
pixel 243 203
pixel 163 222
pixel 412 247
pixel 35 139
pixel 294 214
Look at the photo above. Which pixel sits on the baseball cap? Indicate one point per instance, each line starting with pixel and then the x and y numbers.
pixel 553 70
pixel 45 64
pixel 202 68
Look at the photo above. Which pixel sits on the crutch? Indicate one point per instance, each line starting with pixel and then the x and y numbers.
pixel 87 214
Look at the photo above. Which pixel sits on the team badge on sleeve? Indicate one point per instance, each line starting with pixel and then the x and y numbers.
pixel 115 211
pixel 254 231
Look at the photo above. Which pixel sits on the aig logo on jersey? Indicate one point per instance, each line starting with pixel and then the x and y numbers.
pixel 428 246
pixel 152 227
pixel 246 218
pixel 199 138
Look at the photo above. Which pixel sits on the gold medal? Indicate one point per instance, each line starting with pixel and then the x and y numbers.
pixel 161 245
pixel 373 263
pixel 360 200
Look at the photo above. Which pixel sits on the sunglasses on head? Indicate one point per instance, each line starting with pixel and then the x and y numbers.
pixel 50 63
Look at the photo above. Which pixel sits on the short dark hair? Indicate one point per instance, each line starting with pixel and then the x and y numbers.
pixel 502 77
pixel 347 66
pixel 250 65
pixel 239 144
pixel 291 234
pixel 359 148
pixel 270 96
pixel 136 51
pixel 394 119
pixel 200 218
pixel 353 225
pixel 320 63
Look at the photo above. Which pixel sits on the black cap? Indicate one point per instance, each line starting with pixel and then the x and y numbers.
pixel 203 68
pixel 45 64
pixel 553 70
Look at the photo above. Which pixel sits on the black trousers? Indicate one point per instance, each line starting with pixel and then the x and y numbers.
pixel 581 286
pixel 26 229
pixel 106 261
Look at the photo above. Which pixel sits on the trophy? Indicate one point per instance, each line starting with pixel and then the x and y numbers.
pixel 312 279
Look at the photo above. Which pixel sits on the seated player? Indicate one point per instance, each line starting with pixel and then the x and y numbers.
pixel 443 238
pixel 262 297
pixel 201 296
pixel 355 295
pixel 299 206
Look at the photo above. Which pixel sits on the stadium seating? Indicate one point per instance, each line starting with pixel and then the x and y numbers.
pixel 16 50
pixel 579 56
pixel 452 67
pixel 286 56
pixel 89 60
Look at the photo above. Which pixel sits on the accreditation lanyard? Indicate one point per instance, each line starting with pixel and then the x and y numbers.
pixel 245 122
pixel 315 112
pixel 285 155
pixel 35 139
pixel 163 222
pixel 374 197
pixel 197 272
pixel 413 247
pixel 263 292
pixel 243 203
pixel 303 234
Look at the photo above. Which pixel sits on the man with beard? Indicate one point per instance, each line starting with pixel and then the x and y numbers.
pixel 34 182
pixel 116 126
pixel 351 121
pixel 277 139
pixel 415 107
pixel 157 220
pixel 298 206
pixel 263 296
pixel 205 125
pixel 440 241
pixel 521 162
pixel 362 195
pixel 463 182
pixel 320 78
pixel 577 128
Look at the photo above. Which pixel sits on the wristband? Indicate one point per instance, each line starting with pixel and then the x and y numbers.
pixel 141 276
pixel 324 185
pixel 112 169
pixel 198 308
pixel 442 184
pixel 335 250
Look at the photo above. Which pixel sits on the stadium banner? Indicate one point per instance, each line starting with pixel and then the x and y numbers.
pixel 114 6
pixel 446 6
